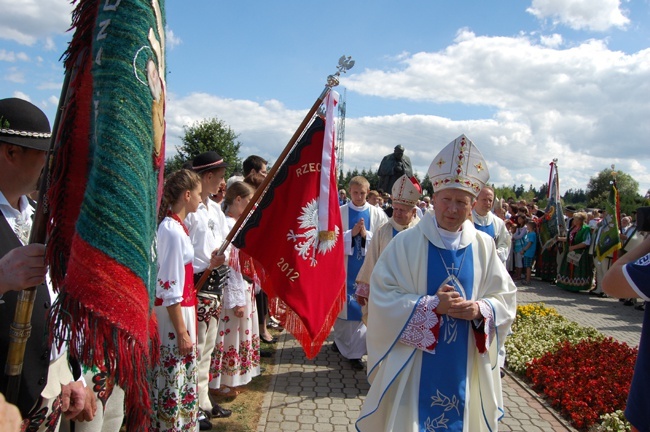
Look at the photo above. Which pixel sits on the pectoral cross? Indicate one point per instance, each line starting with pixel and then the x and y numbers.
pixel 451 270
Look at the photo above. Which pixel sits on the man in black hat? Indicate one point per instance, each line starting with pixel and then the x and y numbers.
pixel 24 141
pixel 208 229
pixel 392 167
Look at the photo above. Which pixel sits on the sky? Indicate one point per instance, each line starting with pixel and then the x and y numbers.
pixel 528 81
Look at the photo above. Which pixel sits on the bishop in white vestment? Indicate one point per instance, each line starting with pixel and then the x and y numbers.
pixel 440 307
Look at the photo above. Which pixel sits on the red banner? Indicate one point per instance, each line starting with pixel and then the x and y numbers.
pixel 303 262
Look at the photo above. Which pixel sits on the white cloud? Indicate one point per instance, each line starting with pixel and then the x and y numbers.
pixel 263 128
pixel 14 75
pixel 27 21
pixel 596 15
pixel 21 95
pixel 583 105
pixel 171 40
pixel 585 98
pixel 49 45
pixel 552 41
pixel 12 56
pixel 52 101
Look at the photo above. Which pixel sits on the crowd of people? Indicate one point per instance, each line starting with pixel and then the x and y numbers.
pixel 430 291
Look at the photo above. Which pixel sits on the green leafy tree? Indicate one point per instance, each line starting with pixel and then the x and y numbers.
pixel 206 135
pixel 576 197
pixel 503 192
pixel 599 187
pixel 543 192
pixel 519 191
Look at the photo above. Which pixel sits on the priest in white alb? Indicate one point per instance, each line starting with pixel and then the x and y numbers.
pixel 360 221
pixel 485 220
pixel 440 306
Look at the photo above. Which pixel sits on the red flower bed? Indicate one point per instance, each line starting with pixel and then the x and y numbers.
pixel 585 380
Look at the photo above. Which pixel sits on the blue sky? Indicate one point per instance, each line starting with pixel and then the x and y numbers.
pixel 527 81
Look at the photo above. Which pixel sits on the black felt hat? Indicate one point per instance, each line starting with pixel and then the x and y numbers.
pixel 23 123
pixel 208 161
pixel 569 208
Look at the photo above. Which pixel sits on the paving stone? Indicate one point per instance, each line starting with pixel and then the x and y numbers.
pixel 293 399
pixel 307 405
pixel 292 426
pixel 340 420
pixel 288 411
pixel 338 407
pixel 275 416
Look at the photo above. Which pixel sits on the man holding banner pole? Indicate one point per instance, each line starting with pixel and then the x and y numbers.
pixel 47 385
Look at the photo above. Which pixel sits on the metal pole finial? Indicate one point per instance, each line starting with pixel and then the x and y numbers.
pixel 345 64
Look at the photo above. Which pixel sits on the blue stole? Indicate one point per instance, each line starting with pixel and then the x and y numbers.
pixel 443 377
pixel 394 232
pixel 354 262
pixel 489 230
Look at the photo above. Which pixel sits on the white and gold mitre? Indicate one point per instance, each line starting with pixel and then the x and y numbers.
pixel 460 165
pixel 405 192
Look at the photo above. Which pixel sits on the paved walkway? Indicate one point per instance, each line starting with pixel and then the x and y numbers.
pixel 325 394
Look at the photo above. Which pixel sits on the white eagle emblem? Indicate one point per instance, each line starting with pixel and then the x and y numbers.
pixel 308 242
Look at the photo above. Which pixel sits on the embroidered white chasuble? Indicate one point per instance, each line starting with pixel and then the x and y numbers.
pixel 397 286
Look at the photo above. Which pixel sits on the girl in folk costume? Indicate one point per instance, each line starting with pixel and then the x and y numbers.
pixel 236 358
pixel 175 376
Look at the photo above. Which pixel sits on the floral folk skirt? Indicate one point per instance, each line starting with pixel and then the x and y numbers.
pixel 236 357
pixel 175 398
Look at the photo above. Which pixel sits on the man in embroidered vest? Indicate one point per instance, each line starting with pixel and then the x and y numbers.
pixel 360 220
pixel 208 229
pixel 439 308
pixel 48 388
pixel 405 198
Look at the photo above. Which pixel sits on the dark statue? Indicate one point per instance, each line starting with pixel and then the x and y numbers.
pixel 392 167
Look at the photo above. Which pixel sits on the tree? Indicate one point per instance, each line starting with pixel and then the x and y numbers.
pixel 206 135
pixel 599 187
pixel 427 185
pixel 519 190
pixel 576 197
pixel 504 192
